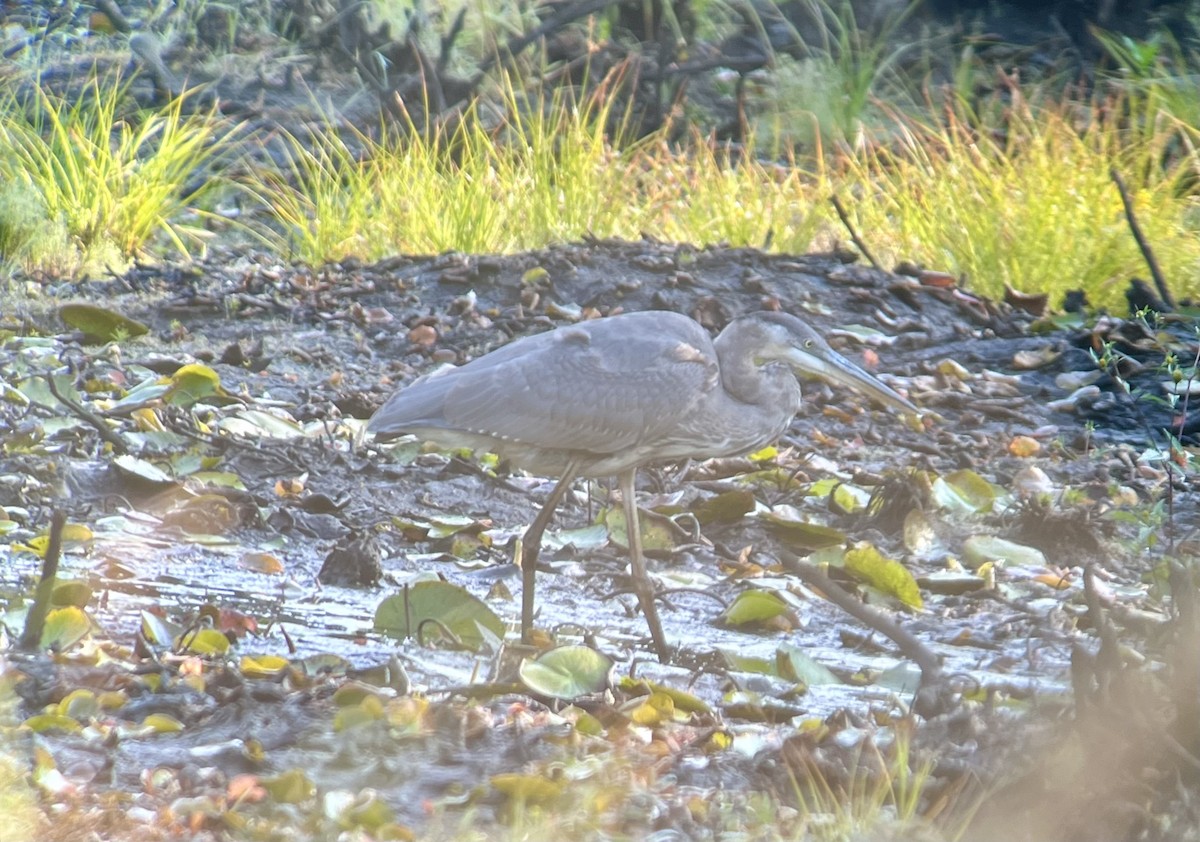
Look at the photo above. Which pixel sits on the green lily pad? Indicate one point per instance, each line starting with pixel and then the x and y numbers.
pixel 738 662
pixel 159 631
pixel 567 672
pixel 205 642
pixel 463 614
pixel 656 535
pixel 161 723
pixel 192 384
pixel 140 469
pixel 726 507
pixel 980 549
pixel 71 592
pixel 965 491
pixel 847 499
pixel 802 535
pixel 41 723
pixel 81 705
pixel 753 607
pixel 256 422
pixel 65 627
pixel 903 678
pixel 290 787
pixel 535 789
pixel 683 701
pixel 793 664
pixel 100 325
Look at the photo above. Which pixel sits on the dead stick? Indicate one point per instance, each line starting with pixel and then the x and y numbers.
pixel 910 646
pixel 845 217
pixel 31 638
pixel 1160 280
pixel 106 432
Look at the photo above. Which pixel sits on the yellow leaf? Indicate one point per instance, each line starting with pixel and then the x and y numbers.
pixel 147 421
pixel 1023 446
pixel 161 723
pixel 263 666
pixel 1054 580
pixel 261 563
pixel 205 642
pixel 192 383
pixel 766 454
pixel 885 574
pixel 654 709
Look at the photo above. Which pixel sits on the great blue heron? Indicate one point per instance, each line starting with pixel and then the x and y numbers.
pixel 604 397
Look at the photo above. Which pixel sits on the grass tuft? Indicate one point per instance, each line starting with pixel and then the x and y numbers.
pixel 1028 202
pixel 102 184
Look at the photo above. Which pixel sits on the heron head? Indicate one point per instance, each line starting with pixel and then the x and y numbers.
pixel 790 340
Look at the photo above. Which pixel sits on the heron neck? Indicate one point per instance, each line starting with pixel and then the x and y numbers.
pixel 769 384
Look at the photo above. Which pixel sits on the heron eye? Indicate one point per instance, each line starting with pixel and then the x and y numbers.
pixel 808 343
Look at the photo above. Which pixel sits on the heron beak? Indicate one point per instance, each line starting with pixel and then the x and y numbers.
pixel 836 370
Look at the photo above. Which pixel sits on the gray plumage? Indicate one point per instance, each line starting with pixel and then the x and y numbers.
pixel 604 397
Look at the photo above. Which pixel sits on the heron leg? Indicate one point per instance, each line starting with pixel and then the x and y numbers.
pixel 531 545
pixel 642 585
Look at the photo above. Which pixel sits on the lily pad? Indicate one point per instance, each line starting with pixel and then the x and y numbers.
pixel 884 574
pixel 567 672
pixel 205 642
pixel 65 627
pixel 655 709
pixel 753 607
pixel 682 700
pixel 290 787
pixel 263 666
pixel 656 534
pixel 100 325
pixel 140 469
pixel 72 592
pixel 965 491
pixel 904 678
pixel 159 631
pixel 726 507
pixel 801 535
pixel 457 609
pixel 191 384
pixel 532 788
pixel 981 549
pixel 792 663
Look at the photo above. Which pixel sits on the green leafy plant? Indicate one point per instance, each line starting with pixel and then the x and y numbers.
pixel 106 179
pixel 997 202
pixel 827 97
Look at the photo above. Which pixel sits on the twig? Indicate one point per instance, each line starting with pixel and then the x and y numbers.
pixel 1108 657
pixel 845 218
pixel 1160 280
pixel 106 432
pixel 32 636
pixel 934 695
pixel 909 645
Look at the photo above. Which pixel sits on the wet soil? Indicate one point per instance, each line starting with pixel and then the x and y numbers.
pixel 329 344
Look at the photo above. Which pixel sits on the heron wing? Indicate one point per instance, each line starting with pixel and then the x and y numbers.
pixel 599 387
